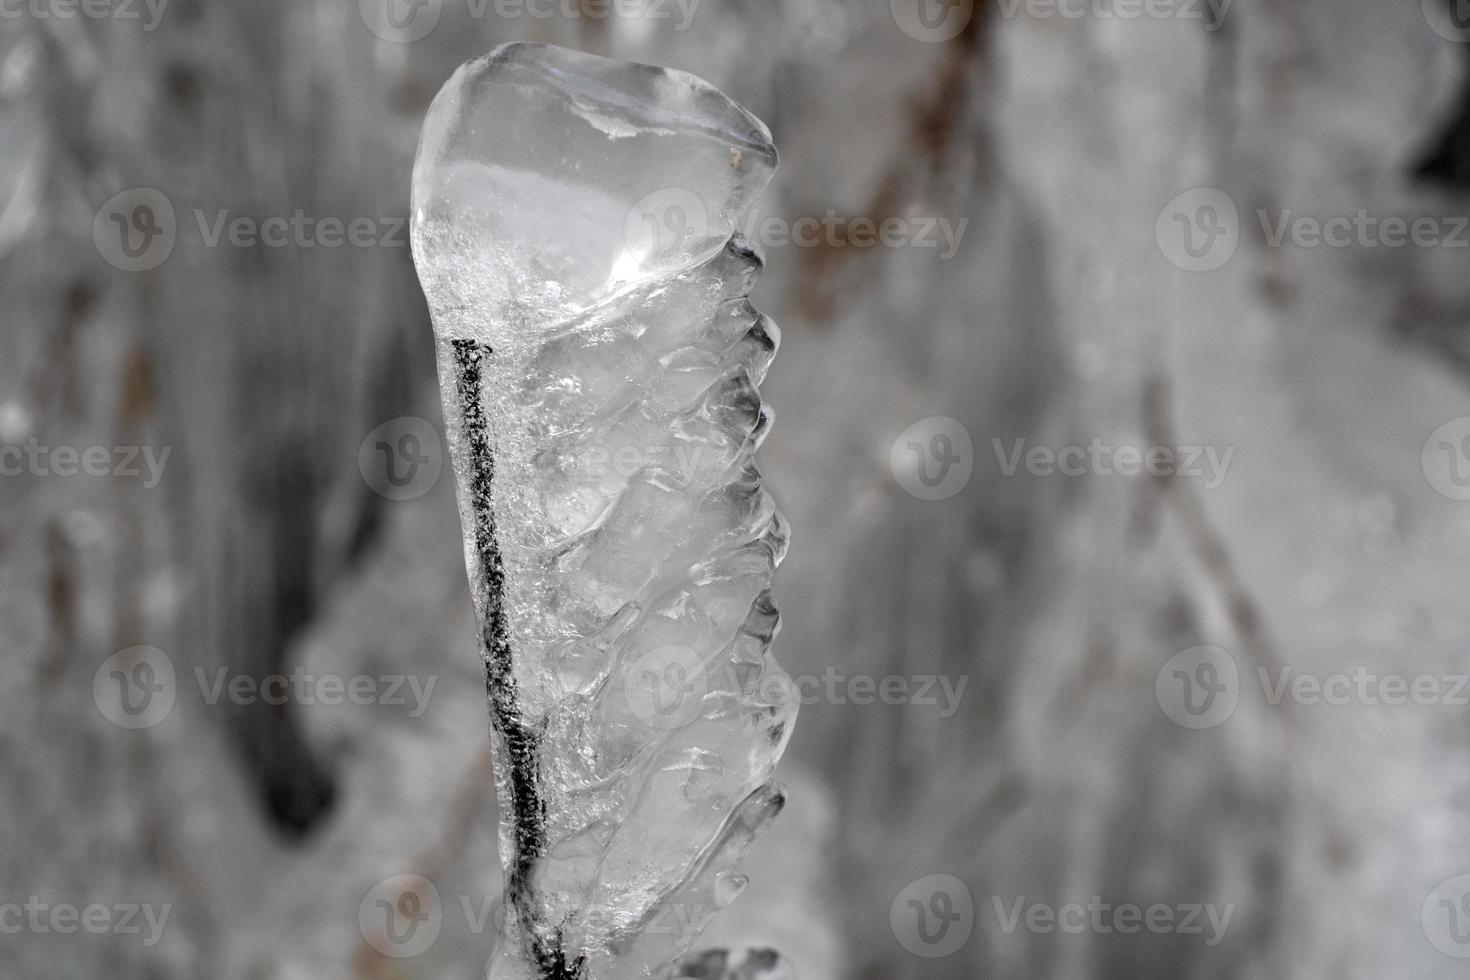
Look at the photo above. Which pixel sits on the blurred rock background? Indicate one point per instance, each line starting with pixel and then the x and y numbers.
pixel 1073 152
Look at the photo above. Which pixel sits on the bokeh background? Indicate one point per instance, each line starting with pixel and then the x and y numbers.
pixel 1115 641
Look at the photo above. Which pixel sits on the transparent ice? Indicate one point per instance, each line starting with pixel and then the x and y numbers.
pixel 574 231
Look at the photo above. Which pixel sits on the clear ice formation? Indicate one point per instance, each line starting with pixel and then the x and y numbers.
pixel 574 229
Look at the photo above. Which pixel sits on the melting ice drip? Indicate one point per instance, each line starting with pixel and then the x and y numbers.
pixel 574 230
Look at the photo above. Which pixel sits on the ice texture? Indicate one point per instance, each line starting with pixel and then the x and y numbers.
pixel 574 229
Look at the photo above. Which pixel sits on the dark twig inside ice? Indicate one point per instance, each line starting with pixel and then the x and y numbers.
pixel 521 741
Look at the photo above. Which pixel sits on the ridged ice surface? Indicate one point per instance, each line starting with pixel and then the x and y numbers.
pixel 599 376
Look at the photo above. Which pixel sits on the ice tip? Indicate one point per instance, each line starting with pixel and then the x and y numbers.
pixel 612 76
pixel 548 179
pixel 616 86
